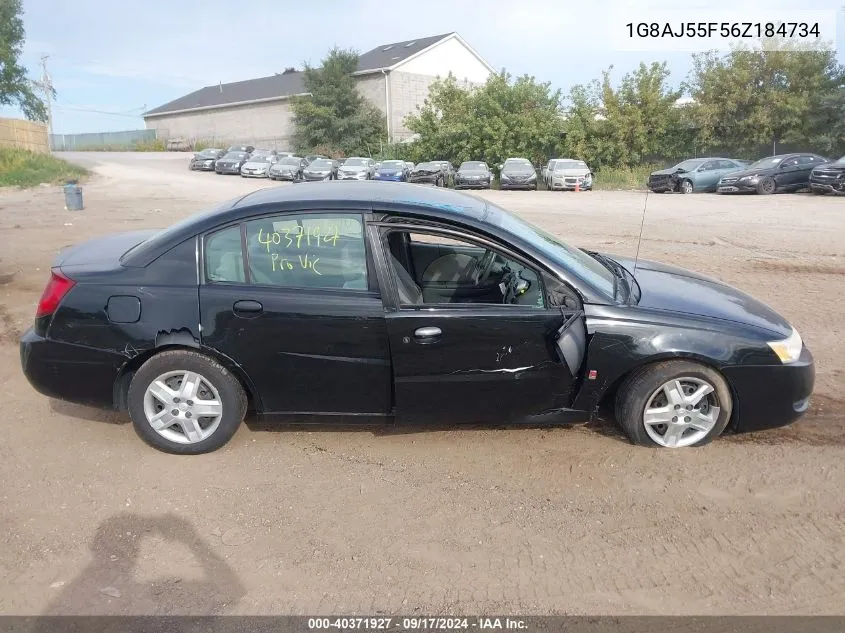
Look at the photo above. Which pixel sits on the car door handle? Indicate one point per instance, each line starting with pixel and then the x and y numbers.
pixel 248 308
pixel 428 334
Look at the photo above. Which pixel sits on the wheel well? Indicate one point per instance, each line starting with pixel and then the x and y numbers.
pixel 124 378
pixel 609 396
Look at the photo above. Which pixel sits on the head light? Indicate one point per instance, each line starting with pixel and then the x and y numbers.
pixel 788 350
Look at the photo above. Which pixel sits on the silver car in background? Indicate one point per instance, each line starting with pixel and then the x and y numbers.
pixel 257 166
pixel 569 173
pixel 357 168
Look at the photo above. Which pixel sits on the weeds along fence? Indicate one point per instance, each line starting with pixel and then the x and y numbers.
pixel 28 135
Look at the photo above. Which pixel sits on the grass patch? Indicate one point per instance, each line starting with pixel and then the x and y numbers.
pixel 22 168
pixel 623 177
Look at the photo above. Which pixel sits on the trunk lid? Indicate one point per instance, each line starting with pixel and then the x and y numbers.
pixel 101 250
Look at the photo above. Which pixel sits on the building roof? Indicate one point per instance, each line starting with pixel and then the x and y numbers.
pixel 284 86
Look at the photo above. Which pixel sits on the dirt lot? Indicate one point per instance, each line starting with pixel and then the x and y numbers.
pixel 451 520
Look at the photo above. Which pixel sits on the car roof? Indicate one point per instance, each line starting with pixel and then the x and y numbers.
pixel 361 196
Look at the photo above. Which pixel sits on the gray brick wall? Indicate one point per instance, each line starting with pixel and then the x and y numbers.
pixel 372 89
pixel 265 124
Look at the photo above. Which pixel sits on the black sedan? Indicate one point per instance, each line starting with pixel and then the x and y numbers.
pixel 206 159
pixel 432 173
pixel 787 172
pixel 380 301
pixel 829 178
pixel 517 173
pixel 320 169
pixel 231 163
pixel 473 174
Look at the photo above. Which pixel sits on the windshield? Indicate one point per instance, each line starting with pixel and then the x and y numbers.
pixel 570 164
pixel 235 155
pixel 841 161
pixel 518 164
pixel 259 159
pixel 355 162
pixel 393 164
pixel 427 166
pixel 209 153
pixel 473 166
pixel 321 163
pixel 569 257
pixel 766 163
pixel 688 165
pixel 292 160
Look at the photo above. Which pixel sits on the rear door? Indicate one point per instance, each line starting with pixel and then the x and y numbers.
pixel 292 300
pixel 472 359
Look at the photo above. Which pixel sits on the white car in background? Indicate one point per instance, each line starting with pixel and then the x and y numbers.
pixel 567 173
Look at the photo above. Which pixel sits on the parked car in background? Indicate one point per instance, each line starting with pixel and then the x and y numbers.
pixel 231 163
pixel 547 170
pixel 320 169
pixel 392 170
pixel 409 166
pixel 357 168
pixel 241 148
pixel 694 175
pixel 432 173
pixel 205 160
pixel 257 165
pixel 262 151
pixel 449 170
pixel 569 173
pixel 517 173
pixel 287 168
pixel 473 174
pixel 310 158
pixel 829 178
pixel 262 303
pixel 786 172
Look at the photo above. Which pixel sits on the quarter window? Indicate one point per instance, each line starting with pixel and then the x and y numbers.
pixel 224 260
pixel 308 251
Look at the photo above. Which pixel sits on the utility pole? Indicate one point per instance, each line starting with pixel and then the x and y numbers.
pixel 47 86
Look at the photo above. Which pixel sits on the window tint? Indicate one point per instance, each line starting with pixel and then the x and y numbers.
pixel 709 165
pixel 726 164
pixel 790 163
pixel 807 160
pixel 224 259
pixel 308 251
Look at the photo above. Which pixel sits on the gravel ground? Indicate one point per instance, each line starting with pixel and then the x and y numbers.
pixel 308 520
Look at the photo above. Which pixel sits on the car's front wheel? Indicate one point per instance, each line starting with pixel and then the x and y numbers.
pixel 673 404
pixel 766 186
pixel 685 186
pixel 186 403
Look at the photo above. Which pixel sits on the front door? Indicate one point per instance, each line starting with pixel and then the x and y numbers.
pixel 298 312
pixel 472 338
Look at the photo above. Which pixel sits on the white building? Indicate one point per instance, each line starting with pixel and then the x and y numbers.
pixel 395 77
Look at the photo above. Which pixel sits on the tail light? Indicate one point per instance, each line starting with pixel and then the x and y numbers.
pixel 56 289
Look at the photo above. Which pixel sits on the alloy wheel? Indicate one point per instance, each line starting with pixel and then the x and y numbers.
pixel 681 412
pixel 183 407
pixel 686 186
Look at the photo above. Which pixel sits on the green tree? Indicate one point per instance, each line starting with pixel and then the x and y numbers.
pixel 752 98
pixel 501 119
pixel 336 115
pixel 15 88
pixel 624 125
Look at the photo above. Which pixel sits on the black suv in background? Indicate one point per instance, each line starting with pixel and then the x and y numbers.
pixel 829 178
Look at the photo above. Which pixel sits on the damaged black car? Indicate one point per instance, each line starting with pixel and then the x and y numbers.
pixel 374 301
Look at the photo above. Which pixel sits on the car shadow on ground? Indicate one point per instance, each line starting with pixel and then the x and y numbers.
pixel 82 412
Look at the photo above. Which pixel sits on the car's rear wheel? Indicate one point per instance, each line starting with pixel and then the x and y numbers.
pixel 673 404
pixel 186 403
pixel 685 186
pixel 766 186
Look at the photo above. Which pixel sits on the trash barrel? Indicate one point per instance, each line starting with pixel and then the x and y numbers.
pixel 73 196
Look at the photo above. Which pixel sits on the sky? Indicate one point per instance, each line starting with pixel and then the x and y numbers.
pixel 111 61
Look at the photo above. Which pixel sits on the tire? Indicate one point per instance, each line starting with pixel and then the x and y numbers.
pixel 645 388
pixel 685 186
pixel 766 186
pixel 224 388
